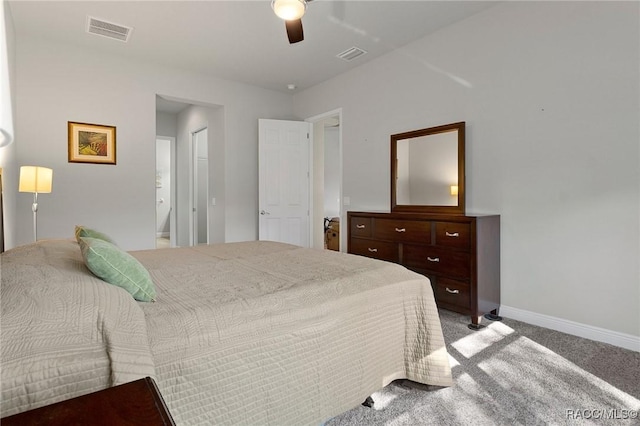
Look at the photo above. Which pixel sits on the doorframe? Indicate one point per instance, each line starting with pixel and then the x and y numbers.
pixel 172 190
pixel 315 120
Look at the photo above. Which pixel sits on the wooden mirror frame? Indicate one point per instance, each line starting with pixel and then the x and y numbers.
pixel 457 209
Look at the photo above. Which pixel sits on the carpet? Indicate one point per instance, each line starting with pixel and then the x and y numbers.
pixel 513 373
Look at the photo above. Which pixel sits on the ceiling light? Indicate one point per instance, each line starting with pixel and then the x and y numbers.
pixel 291 86
pixel 289 10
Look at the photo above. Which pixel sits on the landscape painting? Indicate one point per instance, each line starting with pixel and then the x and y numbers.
pixel 92 143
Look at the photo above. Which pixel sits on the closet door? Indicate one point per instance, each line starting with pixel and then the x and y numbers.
pixel 200 187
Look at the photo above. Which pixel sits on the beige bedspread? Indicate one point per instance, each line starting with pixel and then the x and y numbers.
pixel 242 333
pixel 269 333
pixel 63 332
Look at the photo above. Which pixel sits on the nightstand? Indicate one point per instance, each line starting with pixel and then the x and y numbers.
pixel 134 403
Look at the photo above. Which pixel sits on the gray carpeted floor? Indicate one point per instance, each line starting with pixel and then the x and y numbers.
pixel 512 373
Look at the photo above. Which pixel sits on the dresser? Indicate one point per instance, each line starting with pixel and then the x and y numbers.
pixel 459 253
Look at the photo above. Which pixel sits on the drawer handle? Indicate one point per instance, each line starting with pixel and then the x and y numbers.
pixel 451 234
pixel 373 250
pixel 400 230
pixel 452 291
pixel 433 259
pixel 360 226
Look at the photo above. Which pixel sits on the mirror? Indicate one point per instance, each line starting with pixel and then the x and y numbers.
pixel 1 216
pixel 427 170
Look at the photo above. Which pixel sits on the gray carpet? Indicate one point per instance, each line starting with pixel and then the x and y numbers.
pixel 512 373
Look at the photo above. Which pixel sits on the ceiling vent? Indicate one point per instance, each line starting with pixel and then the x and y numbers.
pixel 351 53
pixel 108 29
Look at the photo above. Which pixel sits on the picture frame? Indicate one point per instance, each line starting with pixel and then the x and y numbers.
pixel 92 143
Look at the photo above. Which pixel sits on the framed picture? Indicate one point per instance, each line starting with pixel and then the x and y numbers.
pixel 92 143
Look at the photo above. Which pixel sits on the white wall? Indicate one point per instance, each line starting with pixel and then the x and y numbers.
pixel 59 83
pixel 166 124
pixel 549 91
pixel 8 161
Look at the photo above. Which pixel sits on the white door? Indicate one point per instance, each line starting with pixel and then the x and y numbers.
pixel 283 159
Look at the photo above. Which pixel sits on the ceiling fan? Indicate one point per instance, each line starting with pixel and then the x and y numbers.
pixel 291 11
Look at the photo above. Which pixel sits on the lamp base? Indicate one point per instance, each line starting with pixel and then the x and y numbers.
pixel 34 209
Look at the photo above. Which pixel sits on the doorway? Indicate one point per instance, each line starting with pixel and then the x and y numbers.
pixel 327 180
pixel 181 118
pixel 200 180
pixel 321 185
pixel 165 199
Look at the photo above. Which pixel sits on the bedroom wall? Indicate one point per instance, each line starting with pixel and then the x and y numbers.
pixel 59 83
pixel 166 124
pixel 8 161
pixel 549 91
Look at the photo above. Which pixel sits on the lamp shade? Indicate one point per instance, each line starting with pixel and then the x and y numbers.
pixel 35 179
pixel 289 10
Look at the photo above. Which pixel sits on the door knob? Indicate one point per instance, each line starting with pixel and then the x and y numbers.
pixel 262 212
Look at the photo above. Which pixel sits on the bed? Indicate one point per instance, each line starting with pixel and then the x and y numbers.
pixel 239 333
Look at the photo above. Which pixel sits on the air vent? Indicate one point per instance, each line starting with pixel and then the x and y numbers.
pixel 108 29
pixel 351 53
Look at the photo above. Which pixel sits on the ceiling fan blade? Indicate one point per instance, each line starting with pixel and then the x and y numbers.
pixel 294 30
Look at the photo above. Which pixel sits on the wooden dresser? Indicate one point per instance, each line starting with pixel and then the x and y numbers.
pixel 459 253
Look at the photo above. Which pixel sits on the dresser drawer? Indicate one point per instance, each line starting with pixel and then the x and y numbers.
pixel 361 226
pixel 453 234
pixel 417 231
pixel 440 261
pixel 452 292
pixel 376 249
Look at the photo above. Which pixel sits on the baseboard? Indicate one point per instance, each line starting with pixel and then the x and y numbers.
pixel 162 235
pixel 598 334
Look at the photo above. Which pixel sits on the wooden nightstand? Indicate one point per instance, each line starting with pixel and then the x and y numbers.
pixel 134 403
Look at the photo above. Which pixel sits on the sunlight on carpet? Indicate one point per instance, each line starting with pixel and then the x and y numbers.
pixel 453 362
pixel 475 343
pixel 526 367
pixel 511 373
pixel 382 398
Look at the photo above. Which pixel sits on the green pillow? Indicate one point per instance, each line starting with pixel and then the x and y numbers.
pixel 83 231
pixel 117 267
